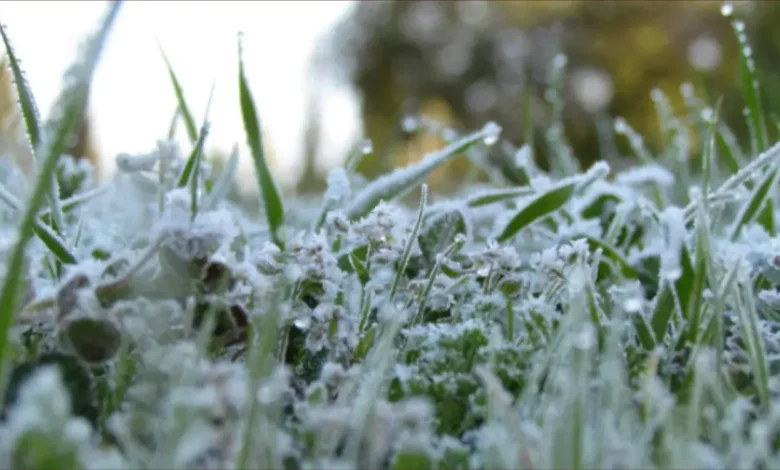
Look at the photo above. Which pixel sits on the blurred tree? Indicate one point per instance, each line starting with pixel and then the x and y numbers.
pixel 478 60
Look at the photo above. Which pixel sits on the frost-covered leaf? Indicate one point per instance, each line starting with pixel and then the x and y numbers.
pixel 439 230
pixel 541 206
pixel 399 182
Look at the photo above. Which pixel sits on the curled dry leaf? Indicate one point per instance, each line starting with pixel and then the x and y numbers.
pixel 95 340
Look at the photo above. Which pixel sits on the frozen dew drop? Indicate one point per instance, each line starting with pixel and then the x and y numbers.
pixel 491 131
pixel 302 323
pixel 621 126
pixel 687 90
pixel 727 9
pixel 708 115
pixel 368 147
pixel 656 95
pixel 410 124
pixel 560 61
pixel 632 305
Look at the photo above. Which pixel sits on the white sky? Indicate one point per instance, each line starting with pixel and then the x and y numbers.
pixel 132 99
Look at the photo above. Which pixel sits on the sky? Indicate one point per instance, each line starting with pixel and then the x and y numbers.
pixel 132 99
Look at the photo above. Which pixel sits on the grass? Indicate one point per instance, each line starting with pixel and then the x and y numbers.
pixel 587 319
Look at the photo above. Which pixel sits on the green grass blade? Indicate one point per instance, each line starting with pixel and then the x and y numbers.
pixel 751 333
pixel 68 108
pixel 399 182
pixel 728 149
pixel 33 126
pixel 184 110
pixel 174 122
pixel 410 243
pixel 665 304
pixel 708 157
pixel 49 238
pixel 756 201
pixel 26 101
pixel 613 254
pixel 540 207
pixel 750 90
pixel 271 197
pixel 500 195
pixel 701 269
pixel 222 184
pixel 192 165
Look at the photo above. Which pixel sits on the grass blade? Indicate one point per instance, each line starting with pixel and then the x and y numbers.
pixel 541 206
pixel 728 149
pixel 223 183
pixel 497 196
pixel 184 110
pixel 174 122
pixel 410 243
pixel 399 182
pixel 69 108
pixel 193 161
pixel 756 201
pixel 32 124
pixel 750 90
pixel 26 101
pixel 52 241
pixel 271 198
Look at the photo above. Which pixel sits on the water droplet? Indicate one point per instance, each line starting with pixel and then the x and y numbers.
pixel 621 126
pixel 410 124
pixel 491 131
pixel 302 323
pixel 449 134
pixel 368 147
pixel 727 9
pixel 633 305
pixel 687 90
pixel 708 115
pixel 739 26
pixel 560 61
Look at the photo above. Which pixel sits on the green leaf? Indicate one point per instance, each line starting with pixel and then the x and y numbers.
pixel 67 111
pixel 540 207
pixel 184 110
pixel 412 459
pixel 399 182
pixel 440 228
pixel 271 197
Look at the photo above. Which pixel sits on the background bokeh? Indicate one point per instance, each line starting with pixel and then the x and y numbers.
pixel 362 67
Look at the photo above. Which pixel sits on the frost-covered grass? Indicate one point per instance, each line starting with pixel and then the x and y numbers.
pixel 586 320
